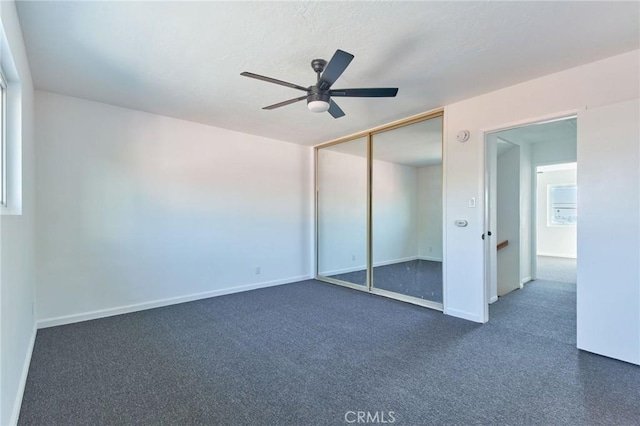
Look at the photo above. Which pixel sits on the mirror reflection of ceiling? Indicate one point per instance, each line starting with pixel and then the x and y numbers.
pixel 416 145
pixel 357 147
pixel 560 130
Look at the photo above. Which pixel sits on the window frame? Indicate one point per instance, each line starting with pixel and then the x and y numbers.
pixel 551 206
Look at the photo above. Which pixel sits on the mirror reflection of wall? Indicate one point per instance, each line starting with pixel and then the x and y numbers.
pixel 342 211
pixel 407 210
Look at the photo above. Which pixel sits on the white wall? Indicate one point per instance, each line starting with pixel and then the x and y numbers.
pixel 599 83
pixel 558 241
pixel 508 220
pixel 608 283
pixel 17 323
pixel 137 210
pixel 430 212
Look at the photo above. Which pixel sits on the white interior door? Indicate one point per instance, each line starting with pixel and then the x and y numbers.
pixel 608 287
pixel 491 266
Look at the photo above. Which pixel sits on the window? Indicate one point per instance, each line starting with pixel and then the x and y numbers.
pixel 3 140
pixel 563 206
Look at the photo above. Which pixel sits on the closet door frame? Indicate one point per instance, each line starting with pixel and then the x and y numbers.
pixel 369 232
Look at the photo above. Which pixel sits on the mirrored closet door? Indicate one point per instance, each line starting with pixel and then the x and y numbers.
pixel 407 210
pixel 379 205
pixel 341 185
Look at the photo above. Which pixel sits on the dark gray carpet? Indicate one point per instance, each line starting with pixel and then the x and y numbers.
pixel 558 269
pixel 306 353
pixel 417 278
pixel 543 308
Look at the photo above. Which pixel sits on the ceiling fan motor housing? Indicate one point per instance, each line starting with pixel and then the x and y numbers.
pixel 318 100
pixel 316 94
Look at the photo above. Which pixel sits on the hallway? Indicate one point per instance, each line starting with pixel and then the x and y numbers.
pixel 559 269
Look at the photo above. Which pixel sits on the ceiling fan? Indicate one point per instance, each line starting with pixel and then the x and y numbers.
pixel 319 95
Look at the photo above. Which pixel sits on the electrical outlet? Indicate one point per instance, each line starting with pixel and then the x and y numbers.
pixel 257 270
pixel 353 257
pixel 430 249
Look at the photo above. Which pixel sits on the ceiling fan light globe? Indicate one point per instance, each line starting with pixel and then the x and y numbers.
pixel 318 106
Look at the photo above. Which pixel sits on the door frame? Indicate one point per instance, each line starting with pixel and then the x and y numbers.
pixel 491 198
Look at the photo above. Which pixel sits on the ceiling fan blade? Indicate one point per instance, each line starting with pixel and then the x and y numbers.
pixel 335 110
pixel 273 80
pixel 289 102
pixel 382 92
pixel 334 69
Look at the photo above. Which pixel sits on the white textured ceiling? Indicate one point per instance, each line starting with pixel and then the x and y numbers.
pixel 183 59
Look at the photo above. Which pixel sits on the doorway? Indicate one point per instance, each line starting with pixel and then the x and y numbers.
pixel 530 189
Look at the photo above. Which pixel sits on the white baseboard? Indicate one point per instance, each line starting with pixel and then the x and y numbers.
pixel 23 379
pixel 430 258
pixel 394 261
pixel 343 270
pixel 564 256
pixel 375 265
pixel 493 299
pixel 109 312
pixel 464 315
pixel 525 280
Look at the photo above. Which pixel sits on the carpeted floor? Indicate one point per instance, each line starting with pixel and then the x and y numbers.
pixel 308 353
pixel 558 269
pixel 417 278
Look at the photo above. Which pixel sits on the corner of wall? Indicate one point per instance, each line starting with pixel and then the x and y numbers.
pixel 17 239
